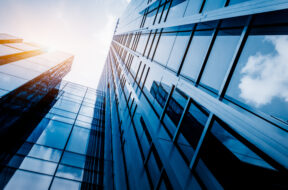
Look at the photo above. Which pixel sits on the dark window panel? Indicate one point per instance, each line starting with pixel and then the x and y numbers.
pixel 233 164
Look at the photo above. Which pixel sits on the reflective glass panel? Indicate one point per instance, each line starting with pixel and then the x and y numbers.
pixel 191 129
pixel 260 77
pixel 78 140
pixel 73 159
pixel 196 54
pixel 226 161
pixel 178 50
pixel 67 105
pixel 55 135
pixel 232 2
pixel 70 172
pixel 45 153
pixel 9 82
pixel 65 184
pixel 177 9
pixel 220 58
pixel 40 166
pixel 27 180
pixel 164 47
pixel 213 4
pixel 193 7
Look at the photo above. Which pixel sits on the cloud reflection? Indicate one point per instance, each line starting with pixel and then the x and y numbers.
pixel 266 76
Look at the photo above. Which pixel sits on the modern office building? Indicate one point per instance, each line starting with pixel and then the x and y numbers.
pixel 51 131
pixel 193 95
pixel 197 95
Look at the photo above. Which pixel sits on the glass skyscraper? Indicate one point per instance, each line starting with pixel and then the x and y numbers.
pixel 193 95
pixel 198 94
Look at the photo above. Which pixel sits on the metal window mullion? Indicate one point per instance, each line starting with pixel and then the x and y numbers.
pixel 167 102
pixel 196 155
pixel 185 111
pixel 156 46
pixel 145 78
pixel 141 74
pixel 147 43
pixel 214 35
pixel 152 43
pixel 158 183
pixel 235 59
pixel 186 51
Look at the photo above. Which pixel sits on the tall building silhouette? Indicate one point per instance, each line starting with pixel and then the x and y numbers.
pixel 193 95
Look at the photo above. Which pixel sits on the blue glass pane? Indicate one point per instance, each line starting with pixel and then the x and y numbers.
pixel 213 4
pixel 260 77
pixel 78 140
pixel 9 82
pixel 177 9
pixel 63 113
pixel 232 2
pixel 220 58
pixel 196 54
pixel 38 130
pixel 87 111
pixel 27 180
pixel 65 184
pixel 193 7
pixel 164 47
pixel 73 159
pixel 178 50
pixel 67 105
pixel 40 166
pixel 70 172
pixel 45 153
pixel 55 135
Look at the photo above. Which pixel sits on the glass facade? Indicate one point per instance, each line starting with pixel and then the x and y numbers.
pixel 198 89
pixel 193 95
pixel 60 153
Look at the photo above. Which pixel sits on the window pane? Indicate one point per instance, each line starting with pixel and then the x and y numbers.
pixel 27 180
pixel 67 105
pixel 40 166
pixel 70 172
pixel 220 58
pixel 260 77
pixel 229 161
pixel 73 159
pixel 55 135
pixel 213 4
pixel 232 2
pixel 178 50
pixel 196 53
pixel 78 140
pixel 65 184
pixel 164 47
pixel 87 111
pixel 193 7
pixel 153 168
pixel 177 9
pixel 45 153
pixel 191 129
pixel 9 82
pixel 142 42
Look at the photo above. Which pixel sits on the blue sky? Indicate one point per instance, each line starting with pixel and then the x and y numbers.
pixel 80 27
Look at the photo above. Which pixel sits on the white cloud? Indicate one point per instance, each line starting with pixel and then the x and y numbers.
pixel 266 76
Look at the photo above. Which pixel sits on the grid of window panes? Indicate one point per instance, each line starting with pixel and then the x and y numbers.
pixel 208 93
pixel 65 150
